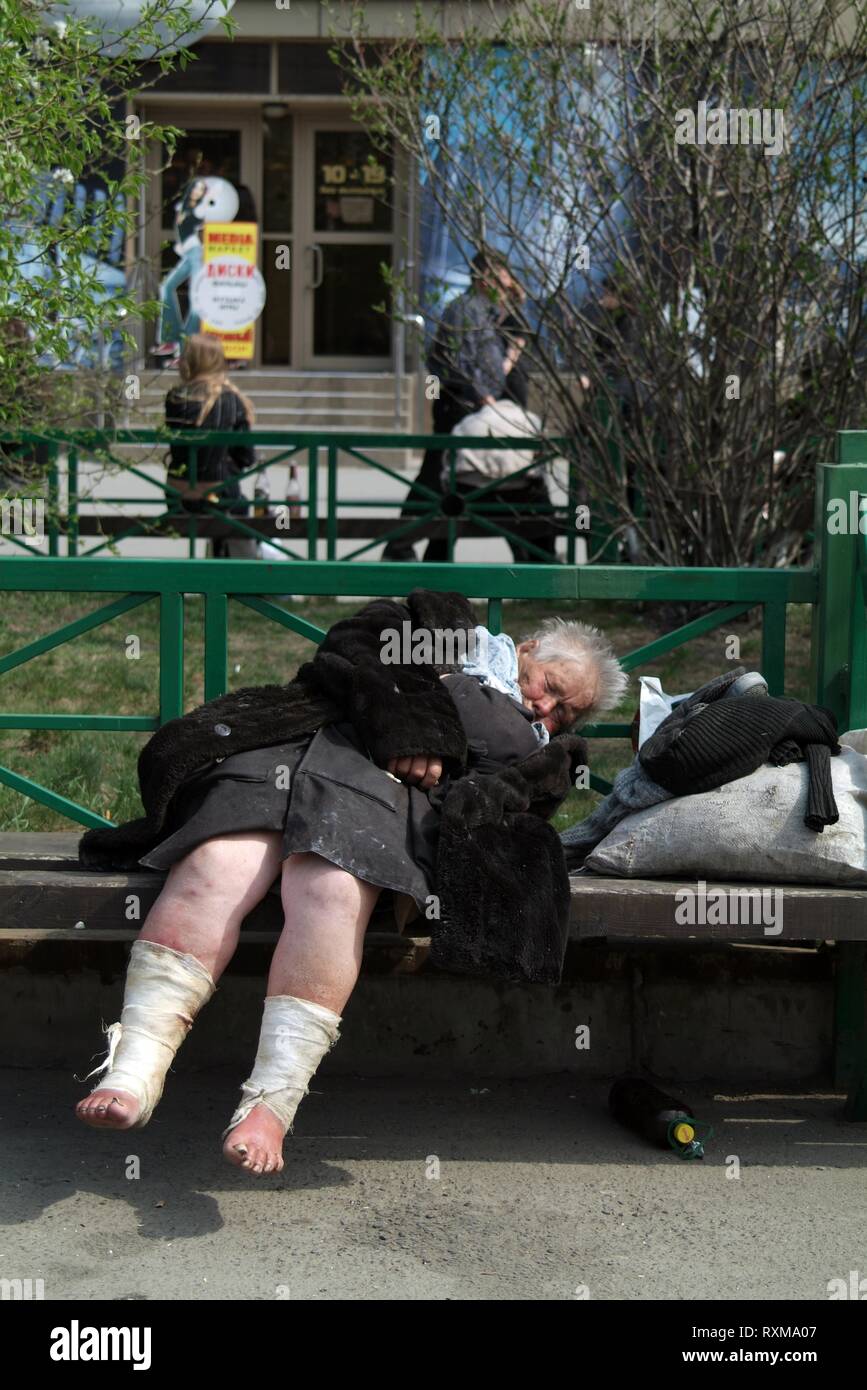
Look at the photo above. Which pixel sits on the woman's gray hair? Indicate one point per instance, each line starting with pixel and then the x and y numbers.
pixel 561 640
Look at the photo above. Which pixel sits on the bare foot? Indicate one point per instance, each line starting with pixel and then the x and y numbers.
pixel 256 1144
pixel 109 1110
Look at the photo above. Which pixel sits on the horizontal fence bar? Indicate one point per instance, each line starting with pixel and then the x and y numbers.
pixel 325 578
pixel 295 439
pixel 138 722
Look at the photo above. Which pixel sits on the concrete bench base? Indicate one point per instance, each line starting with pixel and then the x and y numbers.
pixel 46 899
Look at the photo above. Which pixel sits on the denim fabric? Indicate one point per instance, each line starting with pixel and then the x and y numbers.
pixel 170 329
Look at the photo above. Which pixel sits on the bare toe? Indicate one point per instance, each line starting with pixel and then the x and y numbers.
pixel 256 1143
pixel 109 1110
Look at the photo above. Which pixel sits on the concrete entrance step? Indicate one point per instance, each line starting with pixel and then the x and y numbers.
pixel 300 400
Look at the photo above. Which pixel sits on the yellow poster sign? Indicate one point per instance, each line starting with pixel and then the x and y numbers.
pixel 229 293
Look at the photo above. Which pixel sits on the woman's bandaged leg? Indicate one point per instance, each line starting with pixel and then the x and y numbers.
pixel 296 1034
pixel 164 992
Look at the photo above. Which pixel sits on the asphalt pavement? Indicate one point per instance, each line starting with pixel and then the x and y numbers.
pixel 465 1190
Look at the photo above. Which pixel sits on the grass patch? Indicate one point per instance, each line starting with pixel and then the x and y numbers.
pixel 94 674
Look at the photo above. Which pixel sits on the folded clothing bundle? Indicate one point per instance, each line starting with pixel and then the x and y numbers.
pixel 703 746
pixel 749 831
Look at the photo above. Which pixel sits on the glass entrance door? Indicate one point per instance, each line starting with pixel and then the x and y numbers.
pixel 345 236
pixel 323 202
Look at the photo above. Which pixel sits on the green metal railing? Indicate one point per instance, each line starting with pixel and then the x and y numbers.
pixel 248 584
pixel 483 507
pixel 835 587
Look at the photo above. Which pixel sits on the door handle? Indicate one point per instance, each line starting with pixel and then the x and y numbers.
pixel 318 266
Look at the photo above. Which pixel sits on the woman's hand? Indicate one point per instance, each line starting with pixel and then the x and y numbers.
pixel 420 772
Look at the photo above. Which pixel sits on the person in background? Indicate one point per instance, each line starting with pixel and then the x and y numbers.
pixel 469 358
pixel 206 399
pixel 531 488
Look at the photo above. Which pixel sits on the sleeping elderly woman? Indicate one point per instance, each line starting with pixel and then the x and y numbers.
pixel 361 776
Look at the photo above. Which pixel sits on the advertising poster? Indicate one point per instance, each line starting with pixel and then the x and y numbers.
pixel 229 290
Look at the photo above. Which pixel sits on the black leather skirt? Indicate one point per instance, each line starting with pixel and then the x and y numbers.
pixel 326 797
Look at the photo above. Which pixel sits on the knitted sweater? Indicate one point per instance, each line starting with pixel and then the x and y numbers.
pixel 700 747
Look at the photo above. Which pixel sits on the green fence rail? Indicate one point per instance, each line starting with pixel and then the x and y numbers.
pixel 834 587
pixel 318 527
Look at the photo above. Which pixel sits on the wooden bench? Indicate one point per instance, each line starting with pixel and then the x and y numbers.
pixel 46 897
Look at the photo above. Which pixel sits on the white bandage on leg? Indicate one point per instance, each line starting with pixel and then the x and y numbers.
pixel 164 992
pixel 296 1034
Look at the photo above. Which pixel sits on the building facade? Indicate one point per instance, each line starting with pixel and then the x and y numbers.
pixel 265 111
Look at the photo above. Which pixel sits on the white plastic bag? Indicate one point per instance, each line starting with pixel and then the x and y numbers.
pixel 503 420
pixel 653 706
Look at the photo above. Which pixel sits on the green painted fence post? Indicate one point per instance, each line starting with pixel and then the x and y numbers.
pixel 858 632
pixel 331 551
pixel 216 645
pixel 836 560
pixel 72 502
pixel 53 499
pixel 852 450
pixel 312 517
pixel 600 535
pixel 774 647
pixel 193 528
pixel 171 656
pixel 839 682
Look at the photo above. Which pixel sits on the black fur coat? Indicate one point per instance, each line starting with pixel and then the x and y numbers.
pixel 501 876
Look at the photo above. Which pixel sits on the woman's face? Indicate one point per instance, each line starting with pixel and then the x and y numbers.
pixel 558 692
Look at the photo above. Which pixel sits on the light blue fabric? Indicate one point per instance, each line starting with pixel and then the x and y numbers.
pixel 170 328
pixel 495 663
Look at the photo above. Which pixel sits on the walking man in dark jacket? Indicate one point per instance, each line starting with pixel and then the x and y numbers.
pixel 470 359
